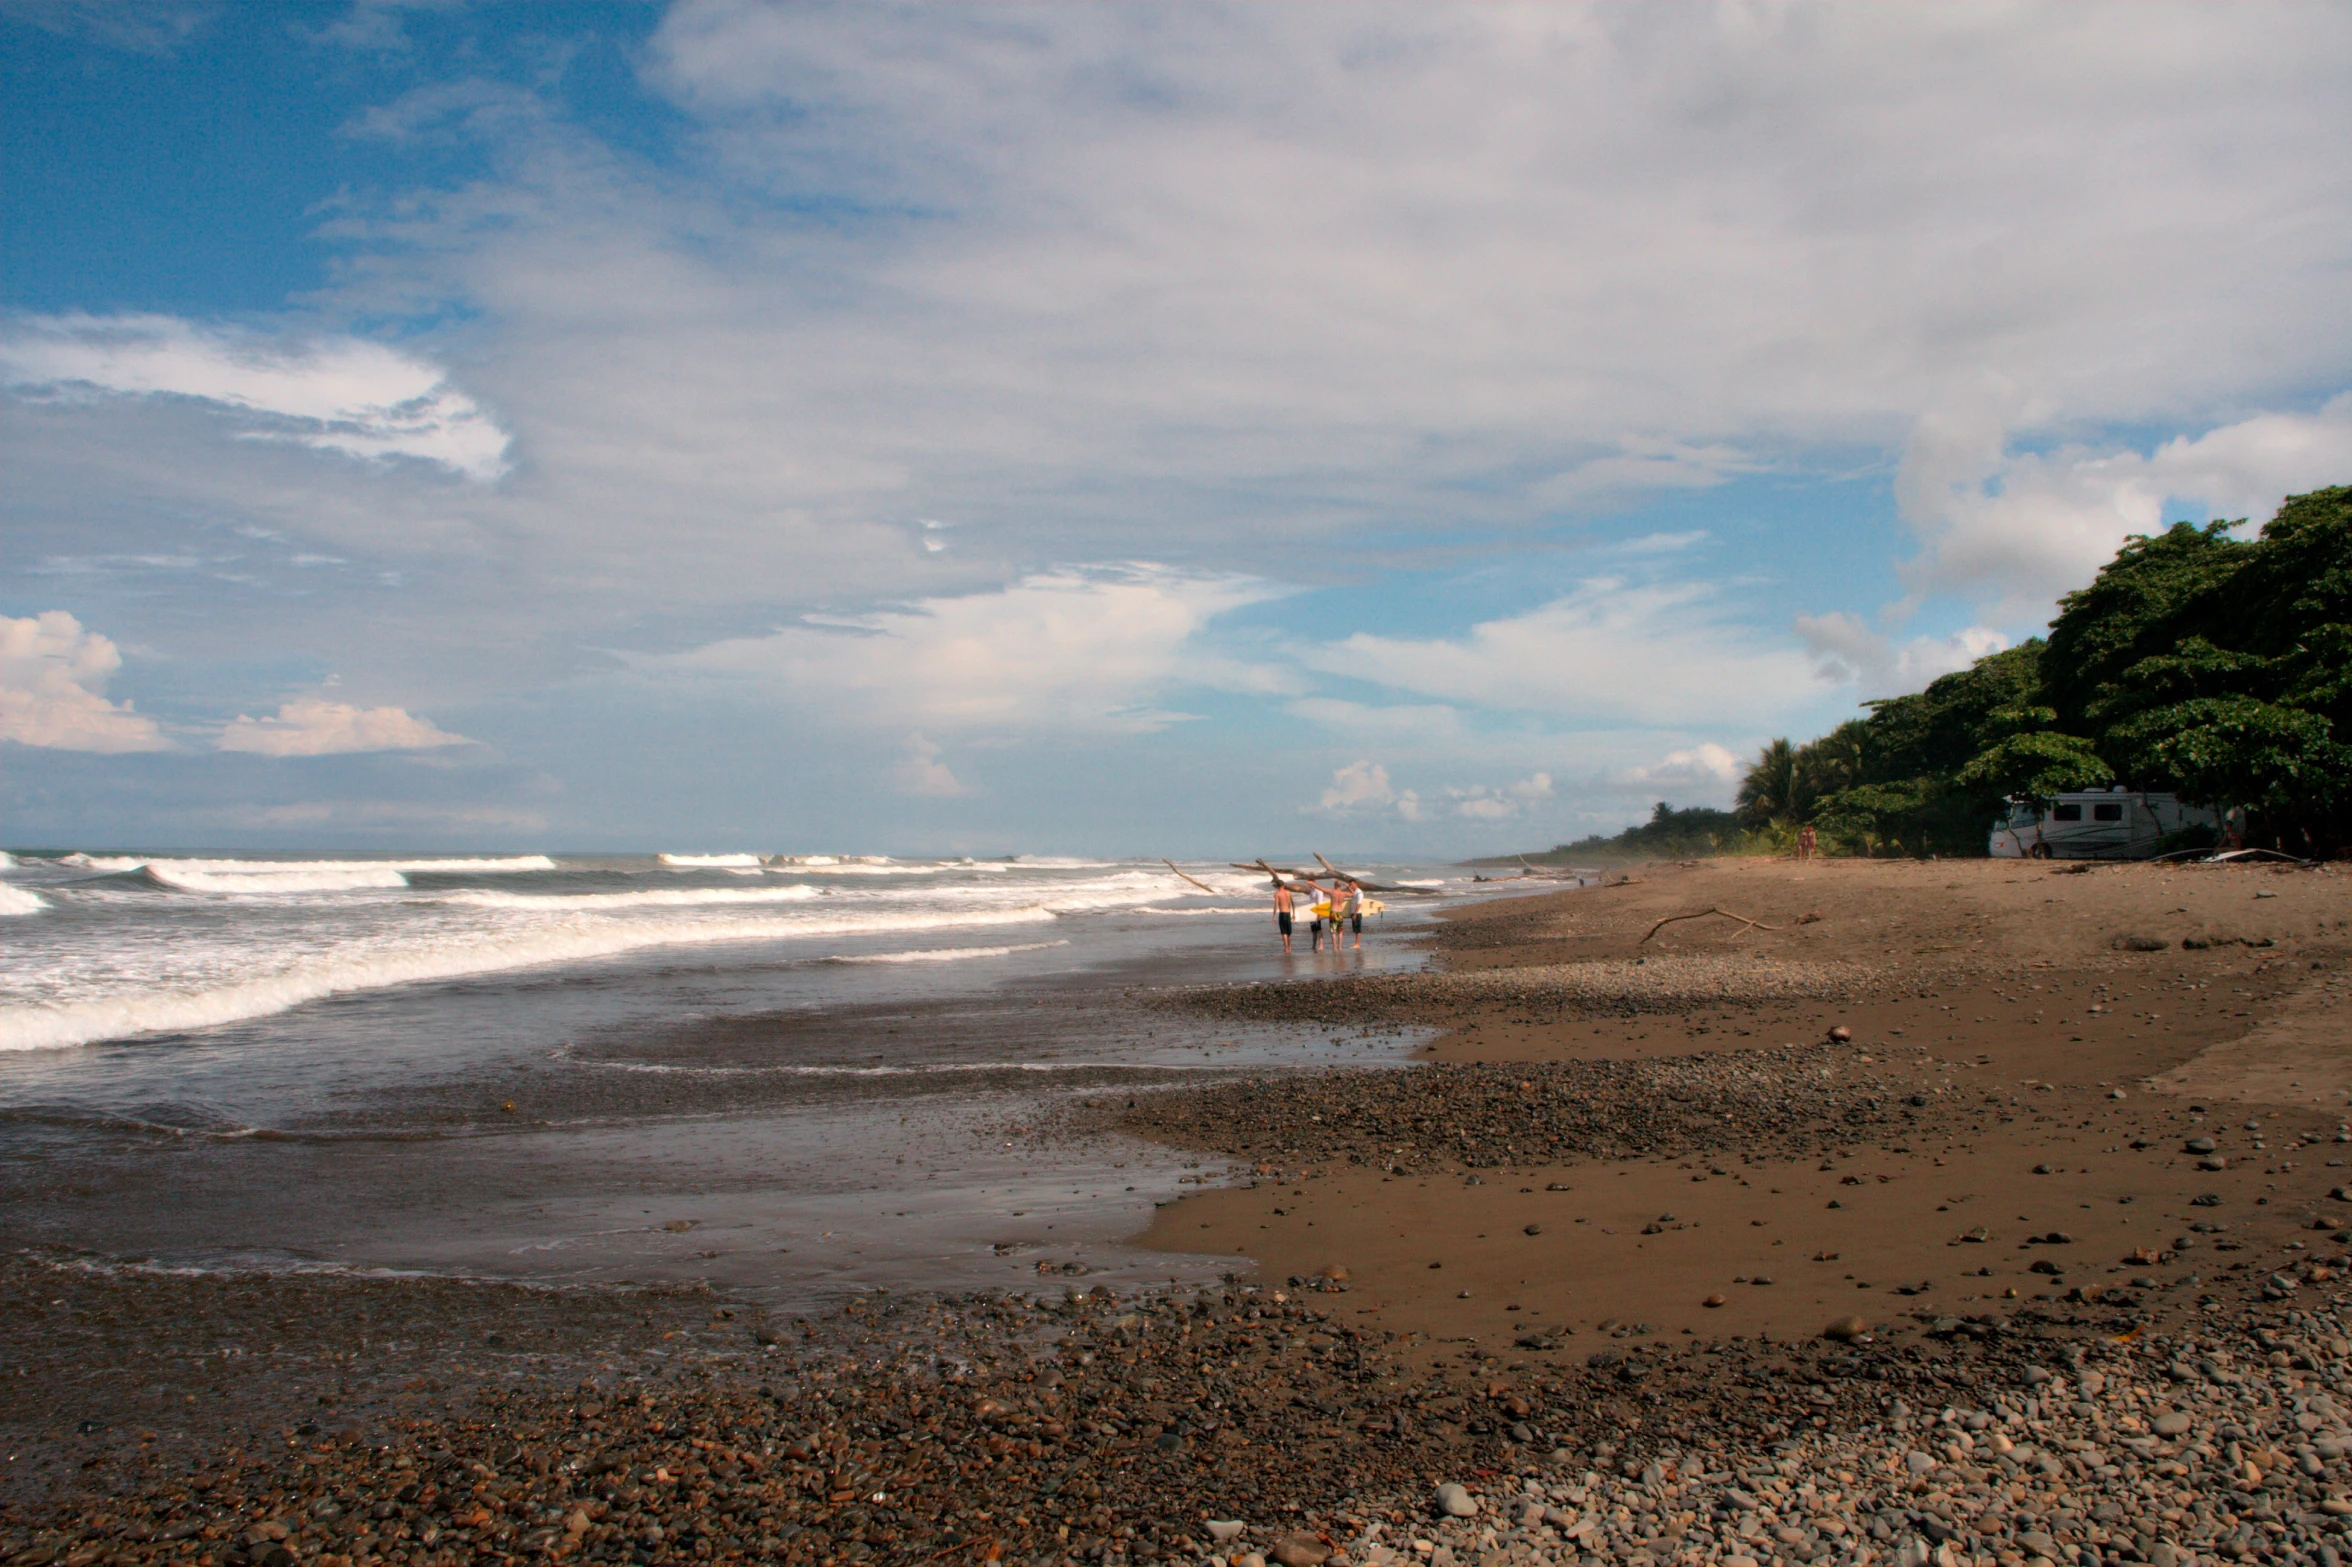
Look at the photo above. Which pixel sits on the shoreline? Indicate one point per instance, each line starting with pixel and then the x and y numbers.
pixel 1966 1101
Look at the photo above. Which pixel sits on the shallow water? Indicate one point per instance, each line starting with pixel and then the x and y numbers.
pixel 785 1079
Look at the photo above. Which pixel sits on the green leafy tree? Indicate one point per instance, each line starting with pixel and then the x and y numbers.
pixel 2240 751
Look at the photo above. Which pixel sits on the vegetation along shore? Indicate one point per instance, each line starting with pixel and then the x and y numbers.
pixel 2197 663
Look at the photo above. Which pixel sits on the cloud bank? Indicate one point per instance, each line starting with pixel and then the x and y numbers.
pixel 1067 652
pixel 313 726
pixel 337 394
pixel 53 677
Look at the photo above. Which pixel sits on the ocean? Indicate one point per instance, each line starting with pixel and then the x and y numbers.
pixel 787 1077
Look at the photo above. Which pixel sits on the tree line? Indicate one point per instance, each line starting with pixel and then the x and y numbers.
pixel 2215 667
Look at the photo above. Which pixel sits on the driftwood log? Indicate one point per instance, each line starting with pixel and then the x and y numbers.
pixel 1196 881
pixel 1702 914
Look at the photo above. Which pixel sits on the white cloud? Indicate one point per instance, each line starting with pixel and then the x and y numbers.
pixel 1068 651
pixel 1706 771
pixel 53 677
pixel 313 726
pixel 1643 468
pixel 1363 788
pixel 1610 649
pixel 1847 652
pixel 1359 786
pixel 1482 802
pixel 338 394
pixel 1664 543
pixel 920 771
pixel 2017 529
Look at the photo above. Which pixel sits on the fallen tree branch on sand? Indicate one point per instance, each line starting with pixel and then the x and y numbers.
pixel 1702 914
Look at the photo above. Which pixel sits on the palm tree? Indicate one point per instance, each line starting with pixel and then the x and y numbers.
pixel 1770 788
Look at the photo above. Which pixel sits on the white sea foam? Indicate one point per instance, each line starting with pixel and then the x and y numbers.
pixel 948 954
pixel 710 862
pixel 657 898
pixel 16 900
pixel 1185 912
pixel 505 865
pixel 926 1069
pixel 825 866
pixel 318 878
pixel 153 1009
pixel 7 860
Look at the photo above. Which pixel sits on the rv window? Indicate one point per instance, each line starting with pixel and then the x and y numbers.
pixel 2066 813
pixel 2107 813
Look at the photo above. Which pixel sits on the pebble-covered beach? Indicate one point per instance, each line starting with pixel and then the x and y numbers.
pixel 1261 1422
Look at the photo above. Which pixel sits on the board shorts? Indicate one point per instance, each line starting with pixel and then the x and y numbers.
pixel 1282 923
pixel 1357 920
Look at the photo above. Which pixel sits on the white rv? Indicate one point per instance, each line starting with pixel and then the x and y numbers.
pixel 2103 824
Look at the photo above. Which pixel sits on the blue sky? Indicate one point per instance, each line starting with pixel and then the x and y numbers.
pixel 1422 429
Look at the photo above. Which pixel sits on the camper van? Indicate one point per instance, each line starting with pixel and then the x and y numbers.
pixel 2104 824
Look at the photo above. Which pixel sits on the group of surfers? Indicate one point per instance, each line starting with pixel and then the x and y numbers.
pixel 1343 898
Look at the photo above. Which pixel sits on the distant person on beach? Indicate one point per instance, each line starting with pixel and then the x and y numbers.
pixel 1354 911
pixel 1805 842
pixel 1282 911
pixel 1315 920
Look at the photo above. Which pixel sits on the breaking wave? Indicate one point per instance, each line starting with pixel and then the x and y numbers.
pixel 16 900
pixel 500 865
pixel 665 897
pixel 323 878
pixel 711 862
pixel 59 1025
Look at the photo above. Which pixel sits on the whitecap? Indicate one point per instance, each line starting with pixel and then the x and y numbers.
pixel 1186 912
pixel 503 865
pixel 308 878
pixel 710 862
pixel 16 900
pixel 660 898
pixel 948 954
pixel 580 938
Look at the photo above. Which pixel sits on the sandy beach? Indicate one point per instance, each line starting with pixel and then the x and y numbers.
pixel 1672 1249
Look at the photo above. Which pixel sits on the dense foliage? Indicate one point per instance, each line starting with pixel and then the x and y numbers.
pixel 1669 834
pixel 2216 667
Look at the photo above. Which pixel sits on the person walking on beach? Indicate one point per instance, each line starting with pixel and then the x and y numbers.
pixel 1805 842
pixel 1282 910
pixel 1354 895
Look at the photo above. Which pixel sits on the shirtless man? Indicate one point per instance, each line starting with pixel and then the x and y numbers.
pixel 1323 899
pixel 1282 910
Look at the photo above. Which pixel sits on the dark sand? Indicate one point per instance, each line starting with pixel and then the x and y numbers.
pixel 1970 984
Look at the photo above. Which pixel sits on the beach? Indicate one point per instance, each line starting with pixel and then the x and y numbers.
pixel 1907 1211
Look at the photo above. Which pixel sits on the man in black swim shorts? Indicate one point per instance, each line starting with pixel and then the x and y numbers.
pixel 1282 908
